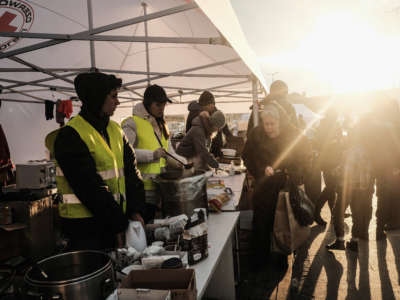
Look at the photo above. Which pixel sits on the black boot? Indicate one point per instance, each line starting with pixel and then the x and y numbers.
pixel 337 245
pixel 352 245
pixel 318 219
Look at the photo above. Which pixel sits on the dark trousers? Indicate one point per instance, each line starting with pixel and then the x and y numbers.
pixel 329 191
pixel 360 202
pixel 388 206
pixel 361 211
pixel 149 212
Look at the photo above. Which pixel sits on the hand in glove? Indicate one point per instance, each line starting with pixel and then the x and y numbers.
pixel 269 171
pixel 158 153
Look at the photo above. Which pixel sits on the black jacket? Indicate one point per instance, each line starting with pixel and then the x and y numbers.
pixel 261 151
pixel 79 169
pixel 194 109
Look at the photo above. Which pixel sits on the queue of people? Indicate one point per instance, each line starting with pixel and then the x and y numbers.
pixel 106 172
pixel 352 164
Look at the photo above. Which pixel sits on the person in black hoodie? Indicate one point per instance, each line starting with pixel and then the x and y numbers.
pixel 206 102
pixel 108 221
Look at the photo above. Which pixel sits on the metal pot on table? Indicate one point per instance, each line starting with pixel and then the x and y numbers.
pixel 80 275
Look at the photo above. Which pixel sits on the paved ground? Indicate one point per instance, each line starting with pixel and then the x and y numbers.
pixel 372 273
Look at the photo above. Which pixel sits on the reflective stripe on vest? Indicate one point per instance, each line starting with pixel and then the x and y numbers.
pixel 72 199
pixel 109 165
pixel 148 141
pixel 105 175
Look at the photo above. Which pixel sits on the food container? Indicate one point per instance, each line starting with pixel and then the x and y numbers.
pixel 229 152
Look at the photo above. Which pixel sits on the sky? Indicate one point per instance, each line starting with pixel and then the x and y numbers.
pixel 325 47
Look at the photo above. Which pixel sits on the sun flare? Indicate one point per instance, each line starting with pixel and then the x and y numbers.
pixel 345 52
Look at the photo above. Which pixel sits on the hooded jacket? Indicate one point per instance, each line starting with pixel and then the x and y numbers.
pixel 79 168
pixel 194 109
pixel 217 142
pixel 195 145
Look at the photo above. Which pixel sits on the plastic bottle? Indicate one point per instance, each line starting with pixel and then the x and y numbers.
pixel 232 169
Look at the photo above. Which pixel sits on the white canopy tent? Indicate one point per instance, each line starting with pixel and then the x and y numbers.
pixel 184 46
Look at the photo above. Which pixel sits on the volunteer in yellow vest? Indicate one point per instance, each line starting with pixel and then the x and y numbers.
pixel 96 169
pixel 148 133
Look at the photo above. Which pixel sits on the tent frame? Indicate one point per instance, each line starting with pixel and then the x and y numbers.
pixel 93 34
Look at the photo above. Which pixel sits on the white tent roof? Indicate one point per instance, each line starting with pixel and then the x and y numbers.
pixel 187 55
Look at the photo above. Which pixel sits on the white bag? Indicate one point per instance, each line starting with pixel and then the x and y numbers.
pixel 135 236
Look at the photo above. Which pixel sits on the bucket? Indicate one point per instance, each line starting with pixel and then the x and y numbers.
pixel 182 195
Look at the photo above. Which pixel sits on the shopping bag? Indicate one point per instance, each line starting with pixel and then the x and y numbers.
pixel 287 234
pixel 302 207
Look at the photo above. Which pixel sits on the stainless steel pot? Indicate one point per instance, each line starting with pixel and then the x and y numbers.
pixel 83 275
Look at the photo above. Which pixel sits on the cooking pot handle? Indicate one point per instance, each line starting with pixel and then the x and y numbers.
pixel 107 287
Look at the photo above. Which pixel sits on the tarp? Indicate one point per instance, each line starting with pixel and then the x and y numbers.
pixel 25 124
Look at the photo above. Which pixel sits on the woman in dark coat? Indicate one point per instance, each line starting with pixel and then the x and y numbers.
pixel 273 145
pixel 276 144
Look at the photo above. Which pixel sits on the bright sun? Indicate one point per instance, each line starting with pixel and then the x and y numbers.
pixel 346 53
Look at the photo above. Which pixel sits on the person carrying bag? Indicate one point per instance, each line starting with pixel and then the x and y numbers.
pixel 293 213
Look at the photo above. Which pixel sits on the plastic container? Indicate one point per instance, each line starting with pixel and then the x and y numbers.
pixel 135 236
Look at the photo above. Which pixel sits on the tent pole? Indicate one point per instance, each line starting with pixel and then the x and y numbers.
pixel 37 68
pixel 12 70
pixel 116 38
pixel 255 100
pixel 90 20
pixel 212 88
pixel 175 74
pixel 57 87
pixel 102 29
pixel 185 71
pixel 40 80
pixel 144 5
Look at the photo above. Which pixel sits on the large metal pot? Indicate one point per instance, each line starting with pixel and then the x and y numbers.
pixel 183 194
pixel 73 275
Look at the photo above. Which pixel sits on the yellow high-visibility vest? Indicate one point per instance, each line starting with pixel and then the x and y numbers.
pixel 147 140
pixel 109 162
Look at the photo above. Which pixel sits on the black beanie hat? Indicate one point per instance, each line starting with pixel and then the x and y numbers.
pixel 93 88
pixel 206 98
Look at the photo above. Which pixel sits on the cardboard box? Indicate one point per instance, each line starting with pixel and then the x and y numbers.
pixel 143 294
pixel 181 282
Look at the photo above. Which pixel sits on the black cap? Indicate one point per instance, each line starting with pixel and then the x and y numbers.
pixel 155 93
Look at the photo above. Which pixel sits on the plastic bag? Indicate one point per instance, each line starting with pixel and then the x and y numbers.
pixel 135 236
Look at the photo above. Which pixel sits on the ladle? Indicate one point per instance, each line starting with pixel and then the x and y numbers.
pixel 186 166
pixel 42 272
